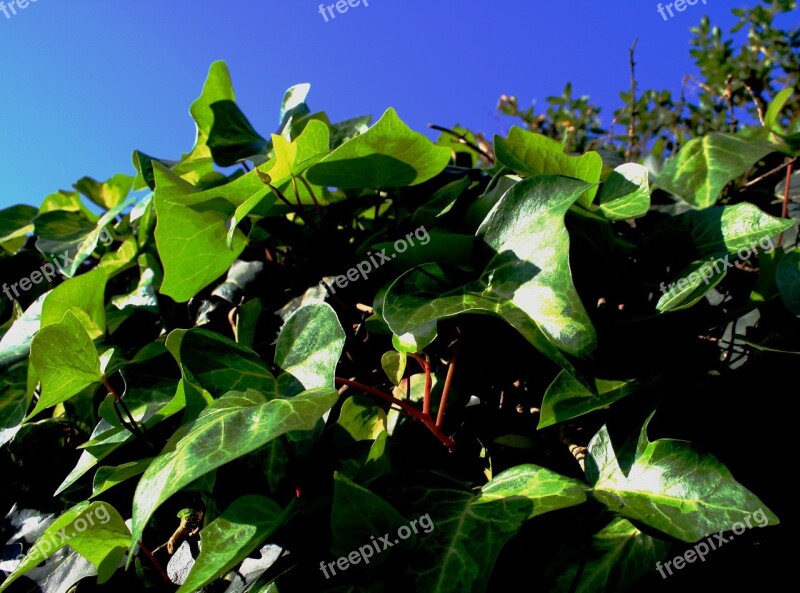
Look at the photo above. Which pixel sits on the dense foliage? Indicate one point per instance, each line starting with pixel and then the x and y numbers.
pixel 346 358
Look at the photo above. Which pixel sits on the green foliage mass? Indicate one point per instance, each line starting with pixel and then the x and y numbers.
pixel 304 344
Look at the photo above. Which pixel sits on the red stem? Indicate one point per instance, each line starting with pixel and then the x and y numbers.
pixel 446 391
pixel 410 410
pixel 155 562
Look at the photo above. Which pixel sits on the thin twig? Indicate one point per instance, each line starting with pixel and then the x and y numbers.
pixel 267 180
pixel 632 125
pixel 758 101
pixel 753 182
pixel 462 139
pixel 134 427
pixel 728 96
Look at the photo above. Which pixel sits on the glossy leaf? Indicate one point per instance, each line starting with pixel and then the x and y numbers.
pixel 65 360
pixel 705 165
pixel 102 541
pixel 107 194
pixel 231 537
pixel 729 229
pixel 16 342
pixel 670 486
pixel 232 138
pixel 567 398
pixel 361 419
pixel 192 230
pixel 388 155
pixel 232 426
pixel 308 349
pixel 626 193
pixel 534 154
pixel 218 87
pixel 215 363
pixel 84 297
pixel 16 221
pixel 693 283
pixel 107 477
pixel 148 407
pixel 15 400
pixel 394 365
pixel 527 280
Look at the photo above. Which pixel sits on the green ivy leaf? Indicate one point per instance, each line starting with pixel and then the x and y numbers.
pixel 567 398
pixel 103 541
pixel 471 530
pixel 232 138
pixel 217 364
pixel 107 477
pixel 232 426
pixel 218 87
pixel 704 166
pixel 626 193
pixel 388 155
pixel 84 297
pixel 308 349
pixel 416 339
pixel 534 154
pixel 670 486
pixel 527 280
pixel 361 419
pixel 16 221
pixel 106 194
pixel 148 407
pixel 15 401
pixel 722 234
pixel 65 360
pixel 192 229
pixel 728 229
pixel 693 283
pixel 16 342
pixel 231 537
pixel 394 365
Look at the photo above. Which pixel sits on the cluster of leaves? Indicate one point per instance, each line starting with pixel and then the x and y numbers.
pixel 734 83
pixel 247 417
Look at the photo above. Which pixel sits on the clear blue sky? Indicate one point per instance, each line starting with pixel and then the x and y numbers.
pixel 85 82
